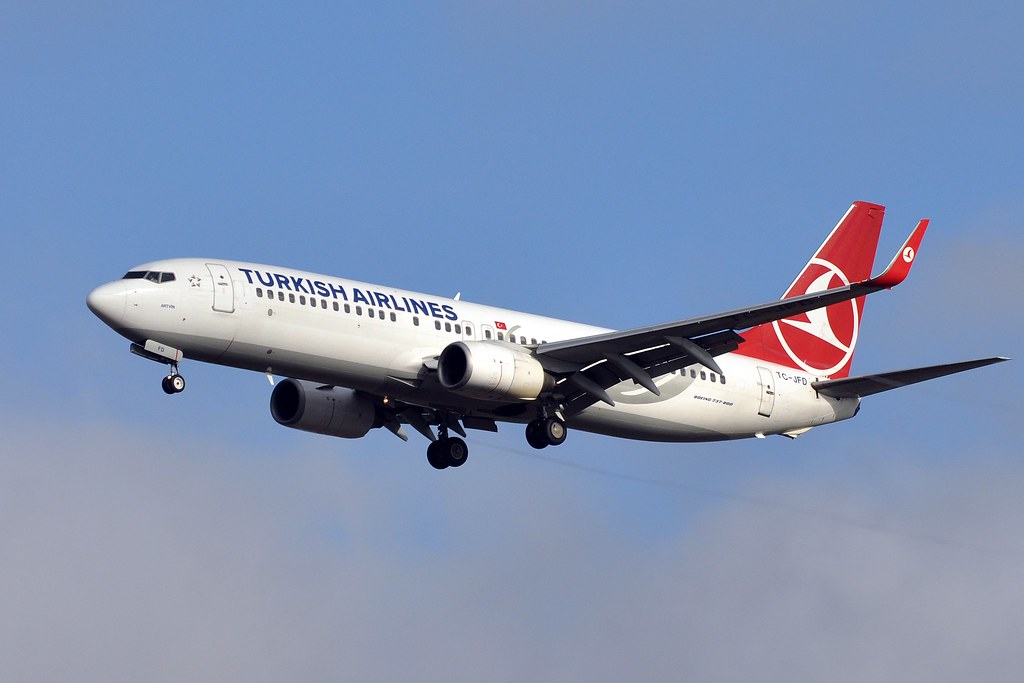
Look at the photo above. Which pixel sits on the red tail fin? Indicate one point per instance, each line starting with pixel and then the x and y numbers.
pixel 822 341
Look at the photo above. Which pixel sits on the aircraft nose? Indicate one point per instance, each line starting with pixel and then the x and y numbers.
pixel 108 302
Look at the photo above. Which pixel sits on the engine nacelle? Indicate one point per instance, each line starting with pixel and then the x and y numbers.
pixel 333 411
pixel 491 370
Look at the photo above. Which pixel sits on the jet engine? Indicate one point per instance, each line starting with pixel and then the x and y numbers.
pixel 314 407
pixel 492 371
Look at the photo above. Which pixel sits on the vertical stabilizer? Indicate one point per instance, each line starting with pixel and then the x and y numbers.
pixel 822 341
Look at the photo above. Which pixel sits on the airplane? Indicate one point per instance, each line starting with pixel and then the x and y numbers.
pixel 357 356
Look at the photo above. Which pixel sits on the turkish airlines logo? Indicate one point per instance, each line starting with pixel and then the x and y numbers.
pixel 825 337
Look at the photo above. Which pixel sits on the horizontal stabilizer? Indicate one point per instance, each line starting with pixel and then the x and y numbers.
pixel 865 385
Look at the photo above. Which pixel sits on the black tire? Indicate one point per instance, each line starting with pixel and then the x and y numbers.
pixel 177 383
pixel 456 450
pixel 554 431
pixel 165 384
pixel 535 436
pixel 436 456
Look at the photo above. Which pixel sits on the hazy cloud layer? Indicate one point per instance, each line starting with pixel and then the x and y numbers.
pixel 125 560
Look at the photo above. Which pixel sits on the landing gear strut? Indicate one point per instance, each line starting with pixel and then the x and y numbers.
pixel 545 431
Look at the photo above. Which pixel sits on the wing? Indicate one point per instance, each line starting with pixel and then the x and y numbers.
pixel 866 385
pixel 588 366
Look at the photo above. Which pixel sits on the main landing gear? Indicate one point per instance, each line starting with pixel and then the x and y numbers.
pixel 546 431
pixel 447 451
pixel 444 451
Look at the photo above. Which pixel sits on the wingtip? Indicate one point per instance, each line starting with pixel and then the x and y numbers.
pixel 899 267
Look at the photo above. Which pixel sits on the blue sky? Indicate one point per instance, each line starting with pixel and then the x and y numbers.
pixel 613 163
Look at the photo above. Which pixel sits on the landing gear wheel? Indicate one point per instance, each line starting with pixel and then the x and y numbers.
pixel 173 384
pixel 545 432
pixel 553 430
pixel 534 436
pixel 456 451
pixel 447 452
pixel 436 456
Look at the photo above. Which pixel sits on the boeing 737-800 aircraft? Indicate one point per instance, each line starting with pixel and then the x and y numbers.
pixel 358 356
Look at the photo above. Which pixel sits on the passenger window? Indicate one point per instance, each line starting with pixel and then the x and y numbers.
pixel 302 299
pixel 533 340
pixel 723 379
pixel 359 310
pixel 437 324
pixel 703 375
pixel 487 333
pixel 714 378
pixel 336 306
pixel 259 293
pixel 348 309
pixel 469 330
pixel 291 298
pixel 501 336
pixel 458 329
pixel 394 318
pixel 447 327
pixel 693 374
pixel 280 296
pixel 416 321
pixel 323 304
pixel 369 312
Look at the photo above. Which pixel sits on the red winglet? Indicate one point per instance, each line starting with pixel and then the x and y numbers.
pixel 899 267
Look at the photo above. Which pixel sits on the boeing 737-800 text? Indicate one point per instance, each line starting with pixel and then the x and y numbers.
pixel 359 356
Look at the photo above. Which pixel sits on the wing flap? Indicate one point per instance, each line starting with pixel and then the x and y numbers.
pixel 653 363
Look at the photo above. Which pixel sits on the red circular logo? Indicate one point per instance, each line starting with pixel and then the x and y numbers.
pixel 820 341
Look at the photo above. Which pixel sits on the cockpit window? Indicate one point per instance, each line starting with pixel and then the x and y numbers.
pixel 151 275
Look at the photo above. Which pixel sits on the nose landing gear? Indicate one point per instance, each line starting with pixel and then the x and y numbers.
pixel 173 383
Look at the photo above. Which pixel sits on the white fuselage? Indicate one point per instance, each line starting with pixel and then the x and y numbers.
pixel 383 341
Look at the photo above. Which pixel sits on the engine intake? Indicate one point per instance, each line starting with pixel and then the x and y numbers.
pixel 492 371
pixel 311 407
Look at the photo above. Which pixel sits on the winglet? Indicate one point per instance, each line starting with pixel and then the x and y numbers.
pixel 899 267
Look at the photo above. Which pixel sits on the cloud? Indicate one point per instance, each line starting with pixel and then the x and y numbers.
pixel 132 555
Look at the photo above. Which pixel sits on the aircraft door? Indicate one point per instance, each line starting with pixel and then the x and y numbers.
pixel 766 381
pixel 223 290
